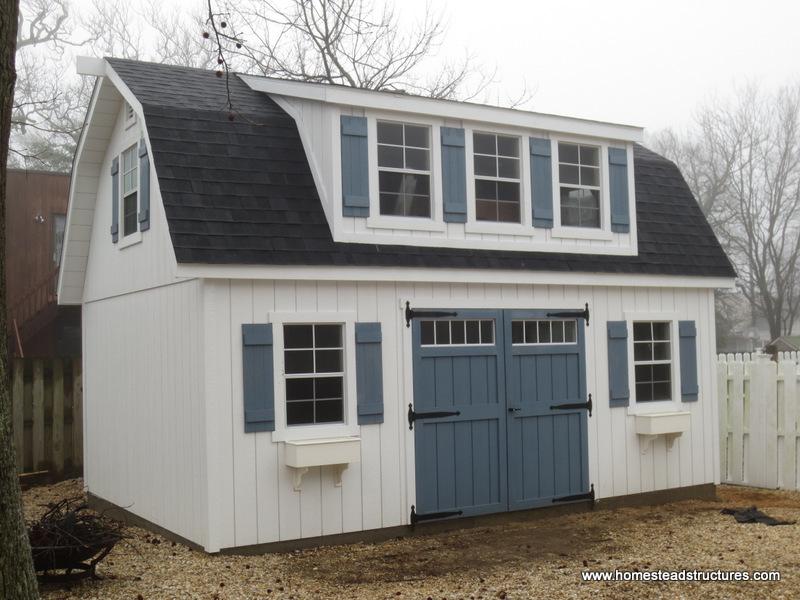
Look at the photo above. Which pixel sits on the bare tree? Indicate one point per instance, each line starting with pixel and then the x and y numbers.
pixel 743 164
pixel 17 579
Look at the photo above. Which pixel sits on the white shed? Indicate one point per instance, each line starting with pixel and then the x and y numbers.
pixel 331 310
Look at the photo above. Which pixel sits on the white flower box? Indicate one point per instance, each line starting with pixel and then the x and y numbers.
pixel 303 454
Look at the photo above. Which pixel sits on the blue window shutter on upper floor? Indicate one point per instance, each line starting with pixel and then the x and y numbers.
pixel 688 349
pixel 619 394
pixel 618 186
pixel 355 167
pixel 454 175
pixel 369 373
pixel 144 187
pixel 542 182
pixel 258 378
pixel 115 200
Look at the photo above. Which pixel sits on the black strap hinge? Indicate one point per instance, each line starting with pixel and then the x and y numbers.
pixel 573 314
pixel 425 314
pixel 416 518
pixel 587 496
pixel 574 405
pixel 437 414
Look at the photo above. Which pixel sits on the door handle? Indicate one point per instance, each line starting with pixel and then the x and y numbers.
pixel 513 409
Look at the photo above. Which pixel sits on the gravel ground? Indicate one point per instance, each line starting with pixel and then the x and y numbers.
pixel 542 558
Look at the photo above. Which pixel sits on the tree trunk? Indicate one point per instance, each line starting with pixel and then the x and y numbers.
pixel 17 579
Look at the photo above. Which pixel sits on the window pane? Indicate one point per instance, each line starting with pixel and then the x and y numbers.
pixel 392 204
pixel 486 210
pixel 508 191
pixel 417 159
pixel 570 332
pixel 643 351
pixel 590 217
pixel 329 411
pixel 661 331
pixel 508 167
pixel 483 143
pixel 473 332
pixel 442 332
pixel 531 332
pixel 418 206
pixel 568 174
pixel 426 333
pixel 661 351
pixel 390 156
pixel 485 190
pixel 390 182
pixel 644 373
pixel 300 389
pixel 661 372
pixel 557 327
pixel 508 212
pixel 487 332
pixel 390 133
pixel 590 155
pixel 299 413
pixel 590 176
pixel 328 387
pixel 507 146
pixel 298 336
pixel 567 153
pixel 417 136
pixel 585 199
pixel 328 336
pixel 662 391
pixel 571 217
pixel 299 361
pixel 329 361
pixel 517 332
pixel 641 331
pixel 544 332
pixel 644 392
pixel 457 335
pixel 486 166
pixel 130 222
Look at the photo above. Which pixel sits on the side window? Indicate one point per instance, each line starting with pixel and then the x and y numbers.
pixel 130 188
pixel 59 225
pixel 579 184
pixel 404 169
pixel 496 163
pixel 314 372
pixel 652 360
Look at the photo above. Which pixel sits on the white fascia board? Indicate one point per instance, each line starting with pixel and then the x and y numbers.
pixel 450 109
pixel 424 275
pixel 89 65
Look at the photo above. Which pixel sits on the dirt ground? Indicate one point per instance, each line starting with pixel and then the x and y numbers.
pixel 541 558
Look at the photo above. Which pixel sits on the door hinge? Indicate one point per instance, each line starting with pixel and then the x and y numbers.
pixel 427 314
pixel 574 405
pixel 574 498
pixel 573 314
pixel 415 518
pixel 437 414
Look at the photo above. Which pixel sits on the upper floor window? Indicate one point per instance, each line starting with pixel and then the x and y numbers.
pixel 497 177
pixel 652 360
pixel 404 169
pixel 130 189
pixel 130 115
pixel 579 184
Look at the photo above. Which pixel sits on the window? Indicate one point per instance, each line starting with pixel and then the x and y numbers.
pixel 130 188
pixel 59 225
pixel 314 371
pixel 458 332
pixel 579 184
pixel 531 332
pixel 652 359
pixel 404 169
pixel 130 115
pixel 497 180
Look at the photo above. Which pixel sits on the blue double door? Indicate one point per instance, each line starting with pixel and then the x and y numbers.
pixel 499 413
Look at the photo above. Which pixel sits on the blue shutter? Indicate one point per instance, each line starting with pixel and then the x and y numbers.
pixel 618 392
pixel 618 185
pixel 144 187
pixel 688 348
pixel 259 388
pixel 454 175
pixel 542 182
pixel 115 200
pixel 355 167
pixel 369 373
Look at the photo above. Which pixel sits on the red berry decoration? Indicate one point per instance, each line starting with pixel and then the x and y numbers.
pixel 205 35
pixel 223 24
pixel 219 73
pixel 238 45
pixel 219 60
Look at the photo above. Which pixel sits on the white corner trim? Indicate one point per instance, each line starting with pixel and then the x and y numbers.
pixel 89 65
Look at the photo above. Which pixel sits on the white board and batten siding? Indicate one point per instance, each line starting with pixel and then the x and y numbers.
pixel 251 497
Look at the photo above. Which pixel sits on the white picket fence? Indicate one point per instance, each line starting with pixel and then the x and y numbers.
pixel 759 405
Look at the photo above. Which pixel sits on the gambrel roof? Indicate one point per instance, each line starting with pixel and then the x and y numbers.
pixel 241 192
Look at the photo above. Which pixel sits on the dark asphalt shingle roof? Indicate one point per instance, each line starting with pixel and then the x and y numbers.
pixel 241 192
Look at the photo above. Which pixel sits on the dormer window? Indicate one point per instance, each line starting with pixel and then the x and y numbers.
pixel 579 185
pixel 497 177
pixel 404 169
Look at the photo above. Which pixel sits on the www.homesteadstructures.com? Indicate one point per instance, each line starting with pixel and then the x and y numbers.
pixel 347 310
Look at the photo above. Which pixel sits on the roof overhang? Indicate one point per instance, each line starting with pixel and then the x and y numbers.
pixel 451 109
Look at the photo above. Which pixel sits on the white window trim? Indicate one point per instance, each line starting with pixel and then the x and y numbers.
pixel 130 115
pixel 349 428
pixel 583 233
pixel 126 241
pixel 473 225
pixel 674 405
pixel 376 220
